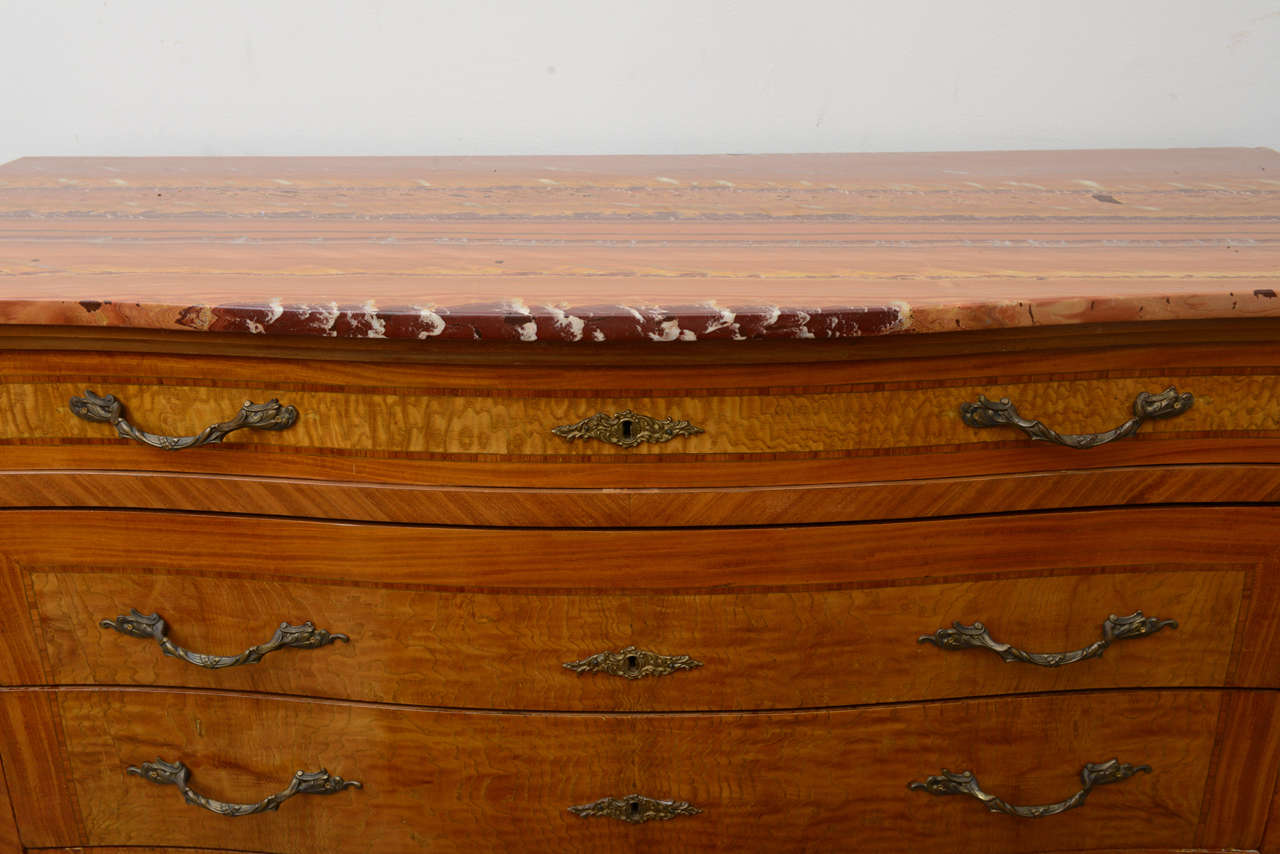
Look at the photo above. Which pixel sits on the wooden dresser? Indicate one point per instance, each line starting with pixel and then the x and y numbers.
pixel 747 504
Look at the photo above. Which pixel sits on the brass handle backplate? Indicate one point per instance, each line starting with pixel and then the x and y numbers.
pixel 635 809
pixel 255 416
pixel 632 663
pixel 1114 628
pixel 1146 406
pixel 1091 776
pixel 138 625
pixel 626 429
pixel 303 783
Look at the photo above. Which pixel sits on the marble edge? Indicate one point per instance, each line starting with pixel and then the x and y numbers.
pixel 514 321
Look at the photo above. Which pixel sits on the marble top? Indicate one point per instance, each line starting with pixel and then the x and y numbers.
pixel 595 250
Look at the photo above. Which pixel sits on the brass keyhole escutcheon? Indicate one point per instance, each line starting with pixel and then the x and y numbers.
pixel 626 429
pixel 635 809
pixel 632 663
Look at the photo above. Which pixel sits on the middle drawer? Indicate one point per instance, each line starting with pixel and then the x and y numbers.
pixel 700 620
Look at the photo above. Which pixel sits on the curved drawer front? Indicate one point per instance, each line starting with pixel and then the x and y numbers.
pixel 831 423
pixel 492 782
pixel 746 619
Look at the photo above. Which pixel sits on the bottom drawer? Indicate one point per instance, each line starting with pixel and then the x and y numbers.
pixel 471 781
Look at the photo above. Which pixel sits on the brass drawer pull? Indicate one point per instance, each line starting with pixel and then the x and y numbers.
pixel 1092 775
pixel 632 663
pixel 986 413
pixel 256 416
pixel 303 783
pixel 635 809
pixel 626 429
pixel 138 625
pixel 960 636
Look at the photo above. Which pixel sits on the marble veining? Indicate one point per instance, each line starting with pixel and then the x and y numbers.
pixel 663 251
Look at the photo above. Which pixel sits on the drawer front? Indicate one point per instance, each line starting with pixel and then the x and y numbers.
pixel 811 781
pixel 751 422
pixel 747 620
pixel 830 422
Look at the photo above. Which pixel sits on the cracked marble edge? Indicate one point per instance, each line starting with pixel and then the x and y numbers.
pixel 513 320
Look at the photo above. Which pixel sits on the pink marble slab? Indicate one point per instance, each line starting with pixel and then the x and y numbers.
pixel 617 249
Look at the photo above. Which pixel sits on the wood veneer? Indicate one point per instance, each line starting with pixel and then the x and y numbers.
pixel 505 650
pixel 507 780
pixel 643 508
pixel 477 425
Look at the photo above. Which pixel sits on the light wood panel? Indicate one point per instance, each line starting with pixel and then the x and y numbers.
pixel 478 424
pixel 482 425
pixel 814 778
pixel 741 424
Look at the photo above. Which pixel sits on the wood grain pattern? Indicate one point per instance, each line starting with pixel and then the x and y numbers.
pixel 772 628
pixel 481 425
pixel 169 849
pixel 644 472
pixel 36 771
pixel 10 843
pixel 1248 743
pixel 816 779
pixel 766 650
pixel 772 424
pixel 1078 338
pixel 641 562
pixel 603 508
pixel 1271 838
pixel 647 249
pixel 918 361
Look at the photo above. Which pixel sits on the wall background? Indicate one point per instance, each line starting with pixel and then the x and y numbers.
pixel 145 77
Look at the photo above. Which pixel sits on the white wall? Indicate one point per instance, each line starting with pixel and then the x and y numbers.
pixel 138 77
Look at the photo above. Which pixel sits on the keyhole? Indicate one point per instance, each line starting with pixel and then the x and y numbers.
pixel 634 806
pixel 632 662
pixel 626 428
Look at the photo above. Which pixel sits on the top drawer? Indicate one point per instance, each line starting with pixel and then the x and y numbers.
pixel 731 425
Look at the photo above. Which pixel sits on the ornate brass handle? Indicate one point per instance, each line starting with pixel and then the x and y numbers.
pixel 138 625
pixel 626 429
pixel 632 663
pixel 1091 776
pixel 1114 628
pixel 635 809
pixel 986 413
pixel 256 416
pixel 303 783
